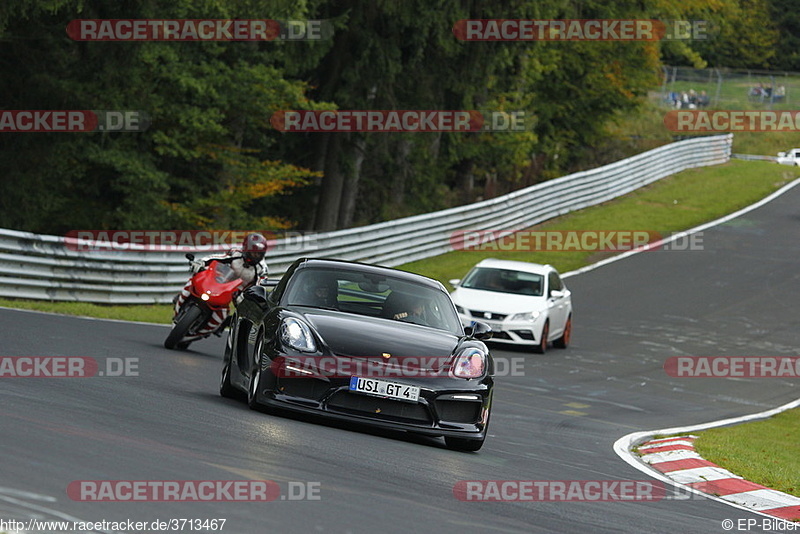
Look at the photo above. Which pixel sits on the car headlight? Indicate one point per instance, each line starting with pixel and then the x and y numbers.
pixel 470 363
pixel 526 316
pixel 297 335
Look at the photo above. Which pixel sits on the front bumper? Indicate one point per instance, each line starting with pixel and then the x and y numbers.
pixel 510 332
pixel 438 412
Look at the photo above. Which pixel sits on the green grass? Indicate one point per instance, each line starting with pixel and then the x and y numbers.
pixel 765 452
pixel 765 143
pixel 672 204
pixel 156 313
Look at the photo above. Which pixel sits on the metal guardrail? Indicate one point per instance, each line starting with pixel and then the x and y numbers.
pixel 754 157
pixel 44 267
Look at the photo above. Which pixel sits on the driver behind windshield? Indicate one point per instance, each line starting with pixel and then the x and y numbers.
pixel 319 292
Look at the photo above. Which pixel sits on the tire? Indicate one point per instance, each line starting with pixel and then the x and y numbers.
pixel 563 341
pixel 255 380
pixel 541 348
pixel 226 389
pixel 182 327
pixel 255 377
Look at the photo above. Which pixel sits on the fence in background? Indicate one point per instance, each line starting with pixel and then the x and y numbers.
pixel 722 88
pixel 43 267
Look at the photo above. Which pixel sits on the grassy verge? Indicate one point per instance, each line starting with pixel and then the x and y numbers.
pixel 673 204
pixel 765 452
pixel 157 313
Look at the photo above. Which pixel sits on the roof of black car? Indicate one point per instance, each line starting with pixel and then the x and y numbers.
pixel 370 268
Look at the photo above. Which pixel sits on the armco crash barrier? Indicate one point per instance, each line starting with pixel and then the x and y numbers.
pixel 43 267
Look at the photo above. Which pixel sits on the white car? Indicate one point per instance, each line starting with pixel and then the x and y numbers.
pixel 523 303
pixel 789 158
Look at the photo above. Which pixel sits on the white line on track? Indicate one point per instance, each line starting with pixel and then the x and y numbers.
pixel 623 445
pixel 685 233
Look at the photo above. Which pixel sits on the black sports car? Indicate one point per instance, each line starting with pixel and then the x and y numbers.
pixel 362 343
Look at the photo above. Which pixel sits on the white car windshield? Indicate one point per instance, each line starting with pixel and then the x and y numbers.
pixel 505 281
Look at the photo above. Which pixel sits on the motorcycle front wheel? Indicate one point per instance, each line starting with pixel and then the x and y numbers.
pixel 182 327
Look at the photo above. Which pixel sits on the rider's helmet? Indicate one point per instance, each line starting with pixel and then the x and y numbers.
pixel 254 248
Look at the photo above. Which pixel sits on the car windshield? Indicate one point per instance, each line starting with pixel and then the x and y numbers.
pixel 505 281
pixel 364 293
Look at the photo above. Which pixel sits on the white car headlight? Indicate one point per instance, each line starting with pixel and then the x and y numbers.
pixel 470 363
pixel 297 335
pixel 526 316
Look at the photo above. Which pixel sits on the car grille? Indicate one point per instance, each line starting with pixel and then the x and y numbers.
pixel 307 388
pixel 379 408
pixel 458 411
pixel 482 315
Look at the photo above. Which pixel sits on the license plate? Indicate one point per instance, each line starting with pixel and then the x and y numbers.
pixel 382 388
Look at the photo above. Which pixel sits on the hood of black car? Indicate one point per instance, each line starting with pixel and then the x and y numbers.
pixel 359 336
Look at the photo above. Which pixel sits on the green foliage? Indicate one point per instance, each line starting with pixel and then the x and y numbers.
pixel 211 159
pixel 198 96
pixel 786 18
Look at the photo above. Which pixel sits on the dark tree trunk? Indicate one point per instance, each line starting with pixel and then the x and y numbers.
pixel 320 150
pixel 399 178
pixel 465 180
pixel 357 153
pixel 330 193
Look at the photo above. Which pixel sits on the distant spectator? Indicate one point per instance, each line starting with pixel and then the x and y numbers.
pixel 703 100
pixel 674 99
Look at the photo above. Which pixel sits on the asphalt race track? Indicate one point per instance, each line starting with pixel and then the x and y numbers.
pixel 738 296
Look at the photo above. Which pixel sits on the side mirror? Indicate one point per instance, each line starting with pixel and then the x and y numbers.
pixel 454 282
pixel 190 256
pixel 256 294
pixel 557 294
pixel 479 330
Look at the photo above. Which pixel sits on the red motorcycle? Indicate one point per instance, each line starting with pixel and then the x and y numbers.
pixel 205 310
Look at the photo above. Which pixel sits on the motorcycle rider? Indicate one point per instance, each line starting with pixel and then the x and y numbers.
pixel 246 261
